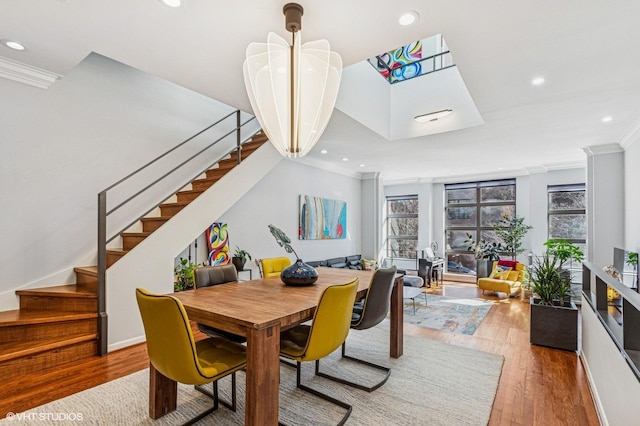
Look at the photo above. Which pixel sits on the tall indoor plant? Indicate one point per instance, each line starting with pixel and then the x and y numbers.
pixel 554 317
pixel 512 230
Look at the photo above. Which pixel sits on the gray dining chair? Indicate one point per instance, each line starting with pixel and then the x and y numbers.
pixel 374 310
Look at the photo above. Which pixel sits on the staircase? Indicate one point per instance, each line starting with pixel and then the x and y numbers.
pixel 57 325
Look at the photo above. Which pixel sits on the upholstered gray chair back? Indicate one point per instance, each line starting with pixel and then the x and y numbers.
pixel 214 275
pixel 378 299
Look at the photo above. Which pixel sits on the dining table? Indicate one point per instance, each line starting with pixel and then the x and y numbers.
pixel 260 309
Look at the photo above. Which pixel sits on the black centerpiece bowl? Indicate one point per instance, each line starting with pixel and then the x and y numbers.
pixel 299 274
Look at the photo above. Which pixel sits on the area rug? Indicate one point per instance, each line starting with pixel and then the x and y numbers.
pixel 432 383
pixel 455 315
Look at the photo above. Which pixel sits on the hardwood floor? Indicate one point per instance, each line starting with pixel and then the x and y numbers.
pixel 538 386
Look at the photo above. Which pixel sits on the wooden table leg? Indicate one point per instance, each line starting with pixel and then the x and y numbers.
pixel 263 376
pixel 397 318
pixel 163 394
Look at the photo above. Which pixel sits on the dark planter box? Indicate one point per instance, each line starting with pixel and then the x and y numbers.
pixel 554 326
pixel 483 268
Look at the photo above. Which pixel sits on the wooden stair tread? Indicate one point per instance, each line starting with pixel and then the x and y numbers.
pixel 135 234
pixel 29 317
pixel 68 290
pixel 12 350
pixel 158 218
pixel 89 270
pixel 175 204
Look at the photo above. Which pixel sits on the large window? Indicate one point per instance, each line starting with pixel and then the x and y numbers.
pixel 474 208
pixel 402 227
pixel 567 217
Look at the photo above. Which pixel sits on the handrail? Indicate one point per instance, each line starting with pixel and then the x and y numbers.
pixel 103 213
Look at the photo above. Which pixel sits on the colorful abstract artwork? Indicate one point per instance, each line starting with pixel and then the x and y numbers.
pixel 404 62
pixel 322 219
pixel 218 244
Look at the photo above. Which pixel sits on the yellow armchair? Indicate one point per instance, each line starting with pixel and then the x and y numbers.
pixel 271 267
pixel 511 286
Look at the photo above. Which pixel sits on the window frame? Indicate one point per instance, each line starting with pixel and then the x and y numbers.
pixel 478 204
pixel 389 215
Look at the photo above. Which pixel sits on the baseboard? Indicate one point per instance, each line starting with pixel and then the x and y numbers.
pixel 594 392
pixel 125 343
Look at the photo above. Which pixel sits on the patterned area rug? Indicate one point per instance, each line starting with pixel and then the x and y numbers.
pixel 455 315
pixel 433 383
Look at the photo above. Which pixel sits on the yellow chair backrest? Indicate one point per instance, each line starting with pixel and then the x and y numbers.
pixel 520 267
pixel 331 321
pixel 170 342
pixel 271 267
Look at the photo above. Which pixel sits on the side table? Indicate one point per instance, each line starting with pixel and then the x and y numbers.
pixel 245 270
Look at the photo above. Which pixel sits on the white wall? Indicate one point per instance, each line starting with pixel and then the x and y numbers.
pixel 631 199
pixel 275 200
pixel 60 147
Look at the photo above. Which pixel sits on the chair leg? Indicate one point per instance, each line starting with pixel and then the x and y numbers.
pixel 214 395
pixel 323 396
pixel 353 384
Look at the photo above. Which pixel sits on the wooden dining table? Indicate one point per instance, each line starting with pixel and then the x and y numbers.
pixel 259 310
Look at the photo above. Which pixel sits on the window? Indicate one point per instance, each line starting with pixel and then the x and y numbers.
pixel 402 227
pixel 474 208
pixel 567 217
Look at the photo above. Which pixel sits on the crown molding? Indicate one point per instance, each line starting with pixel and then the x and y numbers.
pixel 26 74
pixel 409 181
pixel 610 148
pixel 631 136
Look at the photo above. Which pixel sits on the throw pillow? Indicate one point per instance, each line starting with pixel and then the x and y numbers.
pixel 508 263
pixel 500 272
pixel 513 275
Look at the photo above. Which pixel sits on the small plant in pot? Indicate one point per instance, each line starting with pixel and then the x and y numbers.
pixel 554 317
pixel 485 253
pixel 299 273
pixel 184 279
pixel 240 257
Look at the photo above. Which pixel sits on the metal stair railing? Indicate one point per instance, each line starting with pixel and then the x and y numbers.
pixel 104 212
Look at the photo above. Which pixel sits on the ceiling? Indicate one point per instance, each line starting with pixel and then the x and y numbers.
pixel 585 49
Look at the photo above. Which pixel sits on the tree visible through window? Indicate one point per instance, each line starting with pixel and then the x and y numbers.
pixel 402 227
pixel 474 208
pixel 567 217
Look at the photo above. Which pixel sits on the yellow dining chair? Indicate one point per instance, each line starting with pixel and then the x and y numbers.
pixel 374 309
pixel 326 333
pixel 271 267
pixel 175 354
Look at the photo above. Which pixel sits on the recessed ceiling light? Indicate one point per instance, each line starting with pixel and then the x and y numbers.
pixel 345 159
pixel 537 81
pixel 408 18
pixel 12 44
pixel 432 116
pixel 607 119
pixel 172 3
pixel 324 151
pixel 361 165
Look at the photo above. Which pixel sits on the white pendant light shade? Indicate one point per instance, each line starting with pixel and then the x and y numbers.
pixel 292 90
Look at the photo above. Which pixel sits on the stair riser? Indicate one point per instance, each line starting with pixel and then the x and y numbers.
pixel 152 225
pixel 203 185
pixel 85 278
pixel 33 363
pixel 129 242
pixel 113 258
pixel 20 333
pixel 170 210
pixel 66 304
pixel 187 196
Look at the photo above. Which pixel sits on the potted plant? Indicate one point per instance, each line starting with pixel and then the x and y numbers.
pixel 564 250
pixel 512 230
pixel 554 317
pixel 184 279
pixel 299 273
pixel 485 253
pixel 239 258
